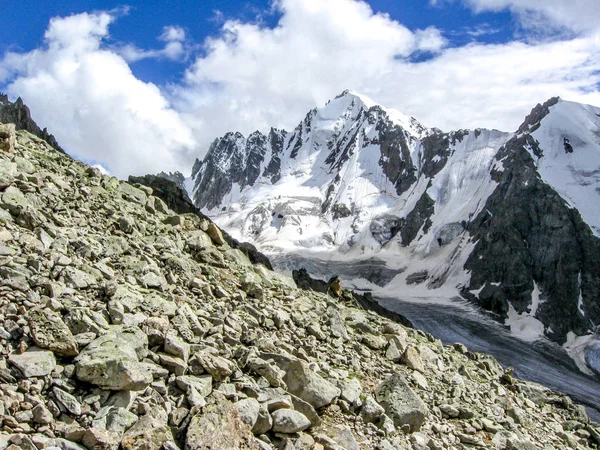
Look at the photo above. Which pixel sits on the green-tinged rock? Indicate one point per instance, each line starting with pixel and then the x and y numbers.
pixel 219 427
pixel 35 362
pixel 49 331
pixel 401 403
pixel 112 361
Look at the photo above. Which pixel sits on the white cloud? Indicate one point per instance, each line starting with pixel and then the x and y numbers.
pixel 254 77
pixel 88 97
pixel 174 49
pixel 172 33
pixel 576 15
pixel 257 77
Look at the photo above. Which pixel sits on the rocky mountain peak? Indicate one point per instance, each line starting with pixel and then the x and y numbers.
pixel 19 114
pixel 125 324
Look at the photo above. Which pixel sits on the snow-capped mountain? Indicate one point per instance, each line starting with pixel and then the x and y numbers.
pixel 508 220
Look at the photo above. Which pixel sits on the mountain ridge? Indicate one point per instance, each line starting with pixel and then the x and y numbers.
pixel 358 181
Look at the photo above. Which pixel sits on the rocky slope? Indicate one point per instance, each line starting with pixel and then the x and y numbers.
pixel 127 325
pixel 508 220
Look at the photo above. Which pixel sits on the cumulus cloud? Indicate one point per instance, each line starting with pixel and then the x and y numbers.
pixel 174 49
pixel 252 76
pixel 89 98
pixel 576 15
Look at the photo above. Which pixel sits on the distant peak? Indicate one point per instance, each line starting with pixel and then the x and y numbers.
pixel 532 121
pixel 350 94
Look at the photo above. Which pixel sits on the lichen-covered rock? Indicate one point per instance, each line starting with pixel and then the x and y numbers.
pixel 401 403
pixel 289 421
pixel 303 382
pixel 219 427
pixel 7 137
pixel 49 331
pixel 34 362
pixel 112 361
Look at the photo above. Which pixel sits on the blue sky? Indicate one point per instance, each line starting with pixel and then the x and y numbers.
pixel 143 86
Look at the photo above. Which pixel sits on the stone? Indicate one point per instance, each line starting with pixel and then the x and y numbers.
pixel 42 415
pixel 202 384
pixel 347 440
pixel 176 346
pixel 68 401
pixel 248 410
pixel 289 421
pixel 215 234
pixel 219 427
pixel 35 362
pixel 393 353
pixel 150 432
pixel 112 361
pixel 217 366
pixel 264 421
pixel 351 390
pixel 115 419
pixel 401 403
pixel 374 342
pixel 98 439
pixel 8 172
pixel 412 359
pixel 371 411
pixel 7 137
pixel 304 383
pixel 49 331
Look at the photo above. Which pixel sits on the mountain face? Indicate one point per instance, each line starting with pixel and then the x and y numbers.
pixel 507 220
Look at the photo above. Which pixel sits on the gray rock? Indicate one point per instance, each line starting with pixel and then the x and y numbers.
pixel 215 234
pixel 7 137
pixel 401 403
pixel 218 367
pixel 112 360
pixel 304 383
pixel 68 401
pixel 219 427
pixel 49 331
pixel 202 384
pixel 289 421
pixel 264 421
pixel 346 439
pixel 351 390
pixel 8 172
pixel 371 411
pixel 41 415
pixel 35 362
pixel 114 419
pixel 150 432
pixel 412 359
pixel 248 410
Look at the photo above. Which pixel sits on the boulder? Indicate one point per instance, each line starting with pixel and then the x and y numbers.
pixel 150 432
pixel 219 427
pixel 401 403
pixel 49 331
pixel 35 362
pixel 7 137
pixel 303 382
pixel 112 361
pixel 248 410
pixel 289 421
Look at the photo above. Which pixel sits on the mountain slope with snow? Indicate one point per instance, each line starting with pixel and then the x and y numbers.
pixel 507 220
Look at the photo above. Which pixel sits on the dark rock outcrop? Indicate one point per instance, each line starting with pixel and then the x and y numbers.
pixel 527 233
pixel 19 114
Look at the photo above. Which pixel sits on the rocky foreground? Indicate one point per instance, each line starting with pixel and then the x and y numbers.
pixel 126 325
